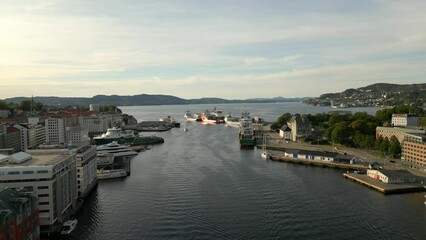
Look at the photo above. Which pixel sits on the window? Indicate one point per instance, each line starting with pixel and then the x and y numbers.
pixel 43 187
pixel 42 171
pixel 27 172
pixel 13 173
pixel 43 195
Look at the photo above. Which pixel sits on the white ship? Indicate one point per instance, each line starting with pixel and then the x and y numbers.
pixel 115 148
pixel 192 117
pixel 109 174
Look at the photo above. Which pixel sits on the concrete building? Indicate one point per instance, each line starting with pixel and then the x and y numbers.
pixel 300 127
pixel 76 135
pixel 94 125
pixel 51 175
pixel 13 139
pixel 19 215
pixel 3 134
pixel 399 133
pixel 31 135
pixel 86 169
pixel 55 130
pixel 405 120
pixel 414 151
pixel 392 176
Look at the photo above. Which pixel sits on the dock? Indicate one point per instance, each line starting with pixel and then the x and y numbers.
pixel 385 188
pixel 319 163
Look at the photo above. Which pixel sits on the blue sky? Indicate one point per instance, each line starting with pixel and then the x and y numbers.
pixel 193 49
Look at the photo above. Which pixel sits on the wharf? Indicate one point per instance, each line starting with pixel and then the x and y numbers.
pixel 319 163
pixel 385 188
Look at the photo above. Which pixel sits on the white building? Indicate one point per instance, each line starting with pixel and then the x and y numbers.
pixel 300 127
pixel 405 120
pixel 285 132
pixel 392 176
pixel 55 130
pixel 51 175
pixel 94 108
pixel 86 169
pixel 93 124
pixel 31 135
pixel 76 135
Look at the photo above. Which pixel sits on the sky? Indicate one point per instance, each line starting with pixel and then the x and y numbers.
pixel 222 48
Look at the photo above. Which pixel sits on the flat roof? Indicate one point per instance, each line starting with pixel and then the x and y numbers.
pixel 404 130
pixel 40 158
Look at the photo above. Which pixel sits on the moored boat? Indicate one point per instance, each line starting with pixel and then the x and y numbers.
pixel 68 227
pixel 192 117
pixel 109 174
pixel 246 134
pixel 232 121
pixel 126 137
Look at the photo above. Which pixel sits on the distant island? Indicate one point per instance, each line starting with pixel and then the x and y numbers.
pixel 376 95
pixel 141 100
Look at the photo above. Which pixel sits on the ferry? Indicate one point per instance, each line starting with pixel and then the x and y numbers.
pixel 118 150
pixel 192 117
pixel 214 116
pixel 109 174
pixel 128 137
pixel 246 134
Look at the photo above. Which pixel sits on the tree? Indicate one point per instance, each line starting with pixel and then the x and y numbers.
pixel 3 105
pixel 283 119
pixel 394 147
pixel 384 146
pixel 341 134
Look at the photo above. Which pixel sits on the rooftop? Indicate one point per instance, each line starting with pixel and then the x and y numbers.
pixel 38 158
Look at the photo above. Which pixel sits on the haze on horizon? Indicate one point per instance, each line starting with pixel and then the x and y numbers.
pixel 194 49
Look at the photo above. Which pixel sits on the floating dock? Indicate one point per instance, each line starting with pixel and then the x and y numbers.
pixel 385 188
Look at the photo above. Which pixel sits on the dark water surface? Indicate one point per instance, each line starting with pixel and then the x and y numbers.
pixel 200 185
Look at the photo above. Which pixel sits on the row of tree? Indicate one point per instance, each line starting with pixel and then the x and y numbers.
pixel 354 130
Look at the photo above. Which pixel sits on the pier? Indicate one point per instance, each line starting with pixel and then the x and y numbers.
pixel 319 163
pixel 385 188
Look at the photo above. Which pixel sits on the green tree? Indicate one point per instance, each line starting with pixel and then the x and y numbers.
pixel 341 134
pixel 384 146
pixel 4 105
pixel 394 147
pixel 283 119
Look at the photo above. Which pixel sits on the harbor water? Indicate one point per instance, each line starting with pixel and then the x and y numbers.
pixel 200 185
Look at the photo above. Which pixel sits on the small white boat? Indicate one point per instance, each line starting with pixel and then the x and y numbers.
pixel 68 227
pixel 265 155
pixel 185 129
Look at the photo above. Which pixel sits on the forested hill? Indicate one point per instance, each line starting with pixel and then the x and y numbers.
pixel 140 100
pixel 376 95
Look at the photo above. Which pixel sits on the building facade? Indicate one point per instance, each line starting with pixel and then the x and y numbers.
pixel 300 127
pixel 31 135
pixel 399 133
pixel 19 215
pixel 55 130
pixel 86 169
pixel 13 139
pixel 51 175
pixel 414 151
pixel 405 120
pixel 391 176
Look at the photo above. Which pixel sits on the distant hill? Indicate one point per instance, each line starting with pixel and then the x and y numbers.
pixel 375 95
pixel 140 100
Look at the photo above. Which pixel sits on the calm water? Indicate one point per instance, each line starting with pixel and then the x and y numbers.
pixel 200 185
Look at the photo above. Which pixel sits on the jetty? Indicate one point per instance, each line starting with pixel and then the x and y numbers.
pixel 385 188
pixel 319 163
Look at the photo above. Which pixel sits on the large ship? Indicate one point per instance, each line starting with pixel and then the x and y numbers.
pixel 247 139
pixel 215 116
pixel 108 174
pixel 232 121
pixel 127 137
pixel 115 148
pixel 192 117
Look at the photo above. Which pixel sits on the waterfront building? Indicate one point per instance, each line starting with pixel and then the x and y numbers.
pixel 31 135
pixel 285 132
pixel 92 124
pixel 86 168
pixel 51 175
pixel 76 134
pixel 300 127
pixel 399 133
pixel 318 155
pixel 414 151
pixel 19 215
pixel 55 130
pixel 392 176
pixel 405 120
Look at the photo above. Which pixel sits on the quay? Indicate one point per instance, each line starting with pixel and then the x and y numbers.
pixel 319 163
pixel 385 188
